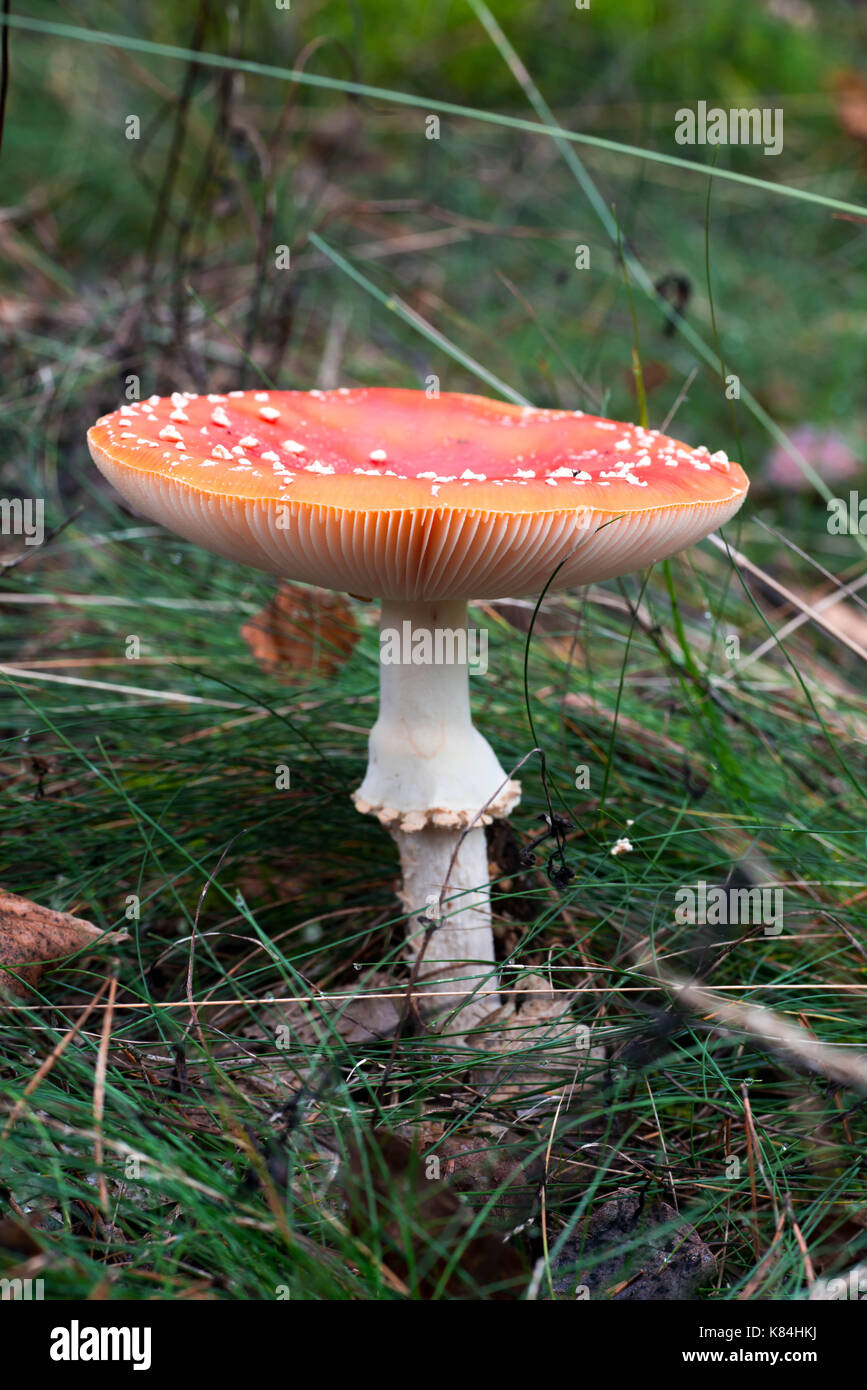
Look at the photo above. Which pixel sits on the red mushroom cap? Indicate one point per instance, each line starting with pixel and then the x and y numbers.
pixel 401 495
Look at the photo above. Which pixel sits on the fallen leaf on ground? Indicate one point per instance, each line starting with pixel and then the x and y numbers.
pixel 301 630
pixel 34 938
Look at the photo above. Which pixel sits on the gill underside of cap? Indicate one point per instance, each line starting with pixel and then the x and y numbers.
pixel 422 553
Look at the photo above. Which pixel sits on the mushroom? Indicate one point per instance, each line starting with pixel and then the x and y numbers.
pixel 424 502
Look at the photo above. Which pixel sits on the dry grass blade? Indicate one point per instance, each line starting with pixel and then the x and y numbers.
pixel 778 1035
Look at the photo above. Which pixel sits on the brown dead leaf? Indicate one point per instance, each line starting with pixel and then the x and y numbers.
pixel 33 938
pixel 302 630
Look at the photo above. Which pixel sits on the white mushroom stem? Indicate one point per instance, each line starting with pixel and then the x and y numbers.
pixel 431 776
pixel 460 947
